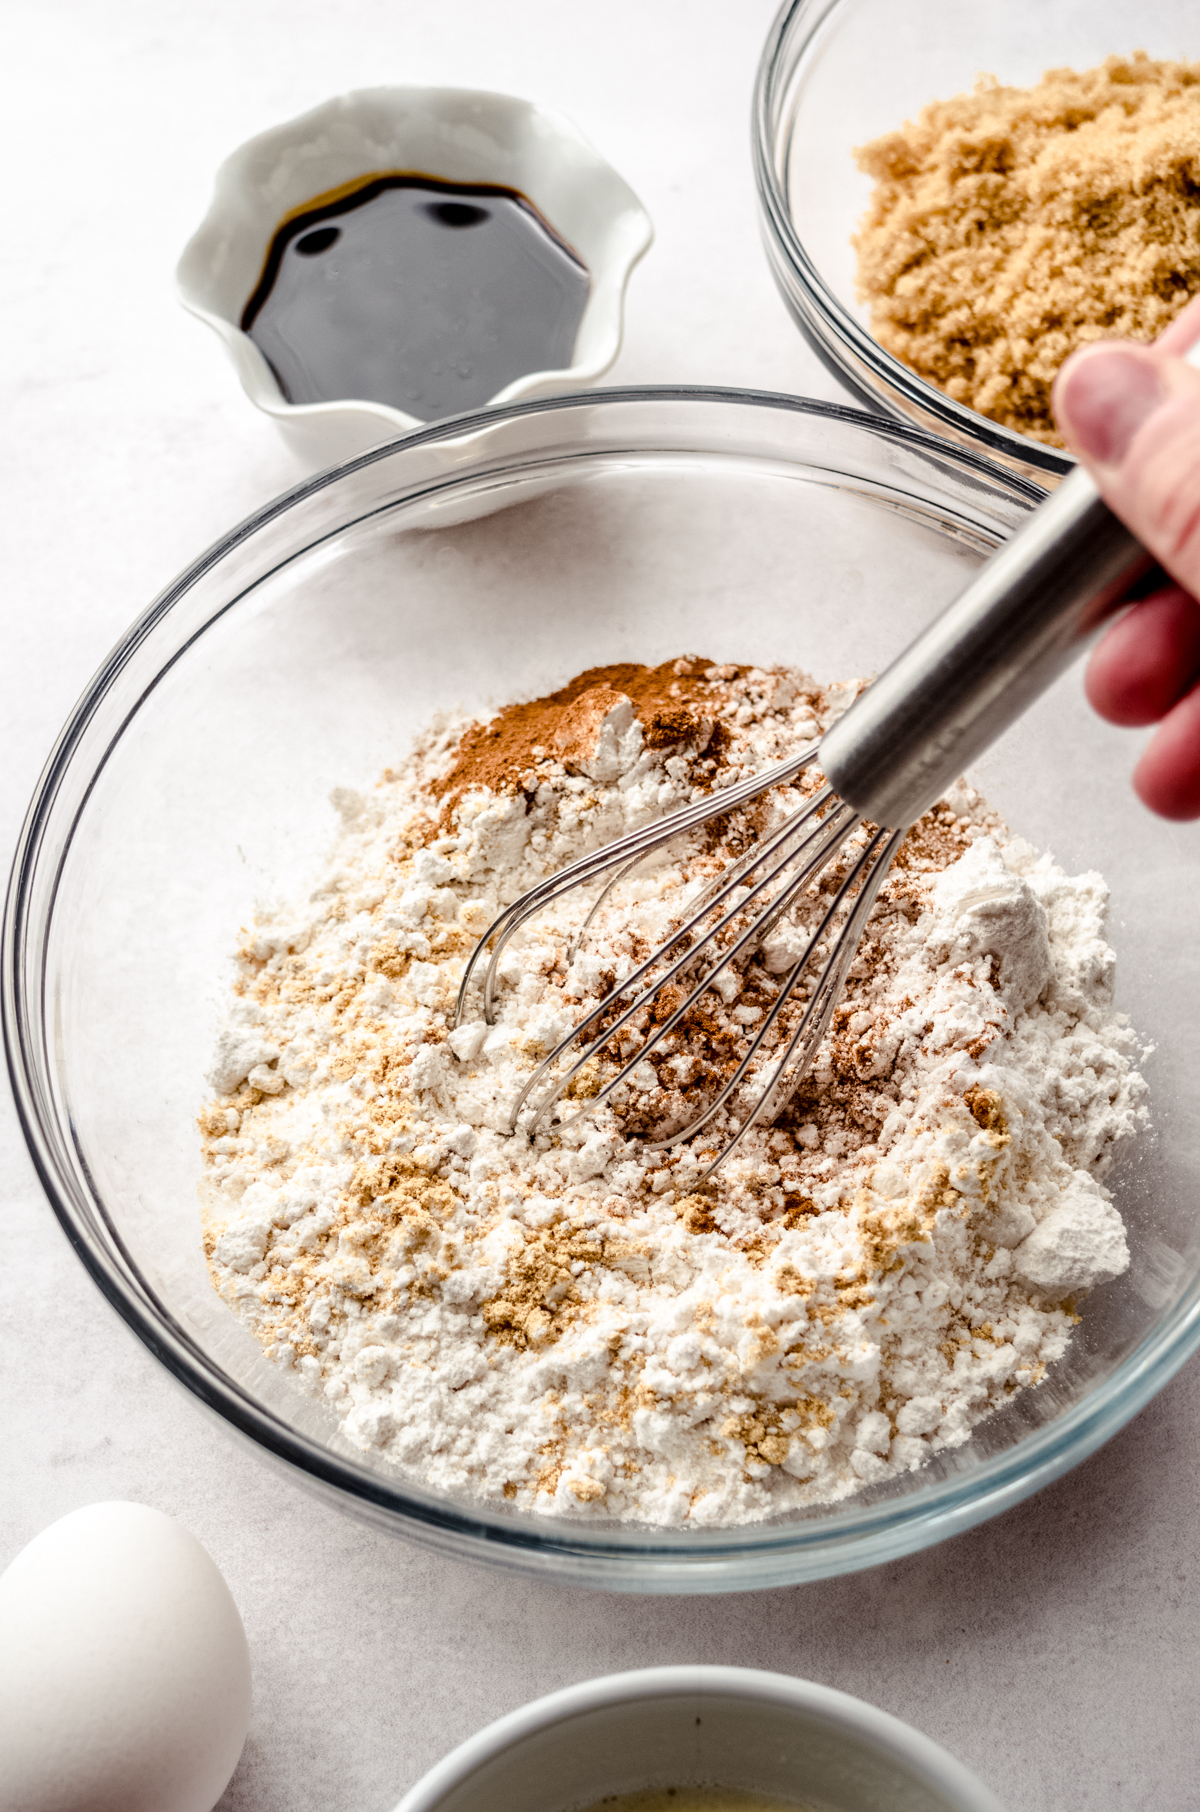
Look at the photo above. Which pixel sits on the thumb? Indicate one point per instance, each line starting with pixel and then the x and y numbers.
pixel 1131 415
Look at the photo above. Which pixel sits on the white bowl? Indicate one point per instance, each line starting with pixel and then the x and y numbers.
pixel 459 134
pixel 682 1726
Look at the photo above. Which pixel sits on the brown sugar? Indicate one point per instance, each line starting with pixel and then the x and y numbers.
pixel 1011 225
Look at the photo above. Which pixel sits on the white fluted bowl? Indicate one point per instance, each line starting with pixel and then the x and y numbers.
pixel 460 135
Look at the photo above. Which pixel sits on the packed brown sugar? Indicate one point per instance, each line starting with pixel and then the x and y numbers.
pixel 1009 226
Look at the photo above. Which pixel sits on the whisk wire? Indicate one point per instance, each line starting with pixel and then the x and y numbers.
pixel 637 845
pixel 614 880
pixel 819 1010
pixel 830 833
pixel 846 942
pixel 804 843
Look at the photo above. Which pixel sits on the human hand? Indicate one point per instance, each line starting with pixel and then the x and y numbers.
pixel 1131 415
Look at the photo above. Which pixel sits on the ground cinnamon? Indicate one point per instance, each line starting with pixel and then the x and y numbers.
pixel 671 700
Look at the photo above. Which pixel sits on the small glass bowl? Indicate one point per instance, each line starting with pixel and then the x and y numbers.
pixel 835 74
pixel 485 559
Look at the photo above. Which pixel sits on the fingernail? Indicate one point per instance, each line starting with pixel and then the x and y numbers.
pixel 1102 401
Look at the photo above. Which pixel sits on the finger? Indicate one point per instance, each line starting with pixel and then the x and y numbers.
pixel 1147 661
pixel 1132 415
pixel 1183 332
pixel 1167 778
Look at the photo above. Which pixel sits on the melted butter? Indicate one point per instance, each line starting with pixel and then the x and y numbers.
pixel 426 295
pixel 693 1799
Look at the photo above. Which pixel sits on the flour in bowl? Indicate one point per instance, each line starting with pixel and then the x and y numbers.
pixel 584 1326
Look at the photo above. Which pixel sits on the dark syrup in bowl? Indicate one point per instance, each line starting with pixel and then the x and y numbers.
pixel 426 295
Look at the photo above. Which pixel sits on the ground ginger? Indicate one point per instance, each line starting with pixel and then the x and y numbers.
pixel 1010 225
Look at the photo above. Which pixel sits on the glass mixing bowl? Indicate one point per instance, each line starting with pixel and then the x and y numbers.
pixel 837 73
pixel 490 558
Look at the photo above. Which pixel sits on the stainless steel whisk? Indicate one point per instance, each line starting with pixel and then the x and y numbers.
pixel 964 681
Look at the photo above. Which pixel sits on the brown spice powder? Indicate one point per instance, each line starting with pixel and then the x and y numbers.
pixel 539 1298
pixel 1011 225
pixel 672 701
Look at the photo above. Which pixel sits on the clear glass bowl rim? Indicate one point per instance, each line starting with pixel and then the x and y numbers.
pixel 840 341
pixel 744 1557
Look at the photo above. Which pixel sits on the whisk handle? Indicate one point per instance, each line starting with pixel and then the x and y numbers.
pixel 1023 619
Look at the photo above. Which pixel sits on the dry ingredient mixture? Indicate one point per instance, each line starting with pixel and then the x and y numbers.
pixel 1011 225
pixel 585 1327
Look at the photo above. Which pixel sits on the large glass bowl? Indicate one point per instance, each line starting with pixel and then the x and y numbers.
pixel 837 73
pixel 475 562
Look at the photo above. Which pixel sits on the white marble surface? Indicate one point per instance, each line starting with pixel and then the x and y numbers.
pixel 1056 1649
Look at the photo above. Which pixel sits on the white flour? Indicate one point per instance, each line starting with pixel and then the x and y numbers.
pixel 577 1327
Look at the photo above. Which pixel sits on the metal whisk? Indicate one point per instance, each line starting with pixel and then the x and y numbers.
pixel 892 755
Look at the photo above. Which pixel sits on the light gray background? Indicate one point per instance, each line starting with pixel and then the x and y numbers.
pixel 1056 1649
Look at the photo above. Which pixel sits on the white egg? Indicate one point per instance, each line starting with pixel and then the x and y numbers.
pixel 124 1671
